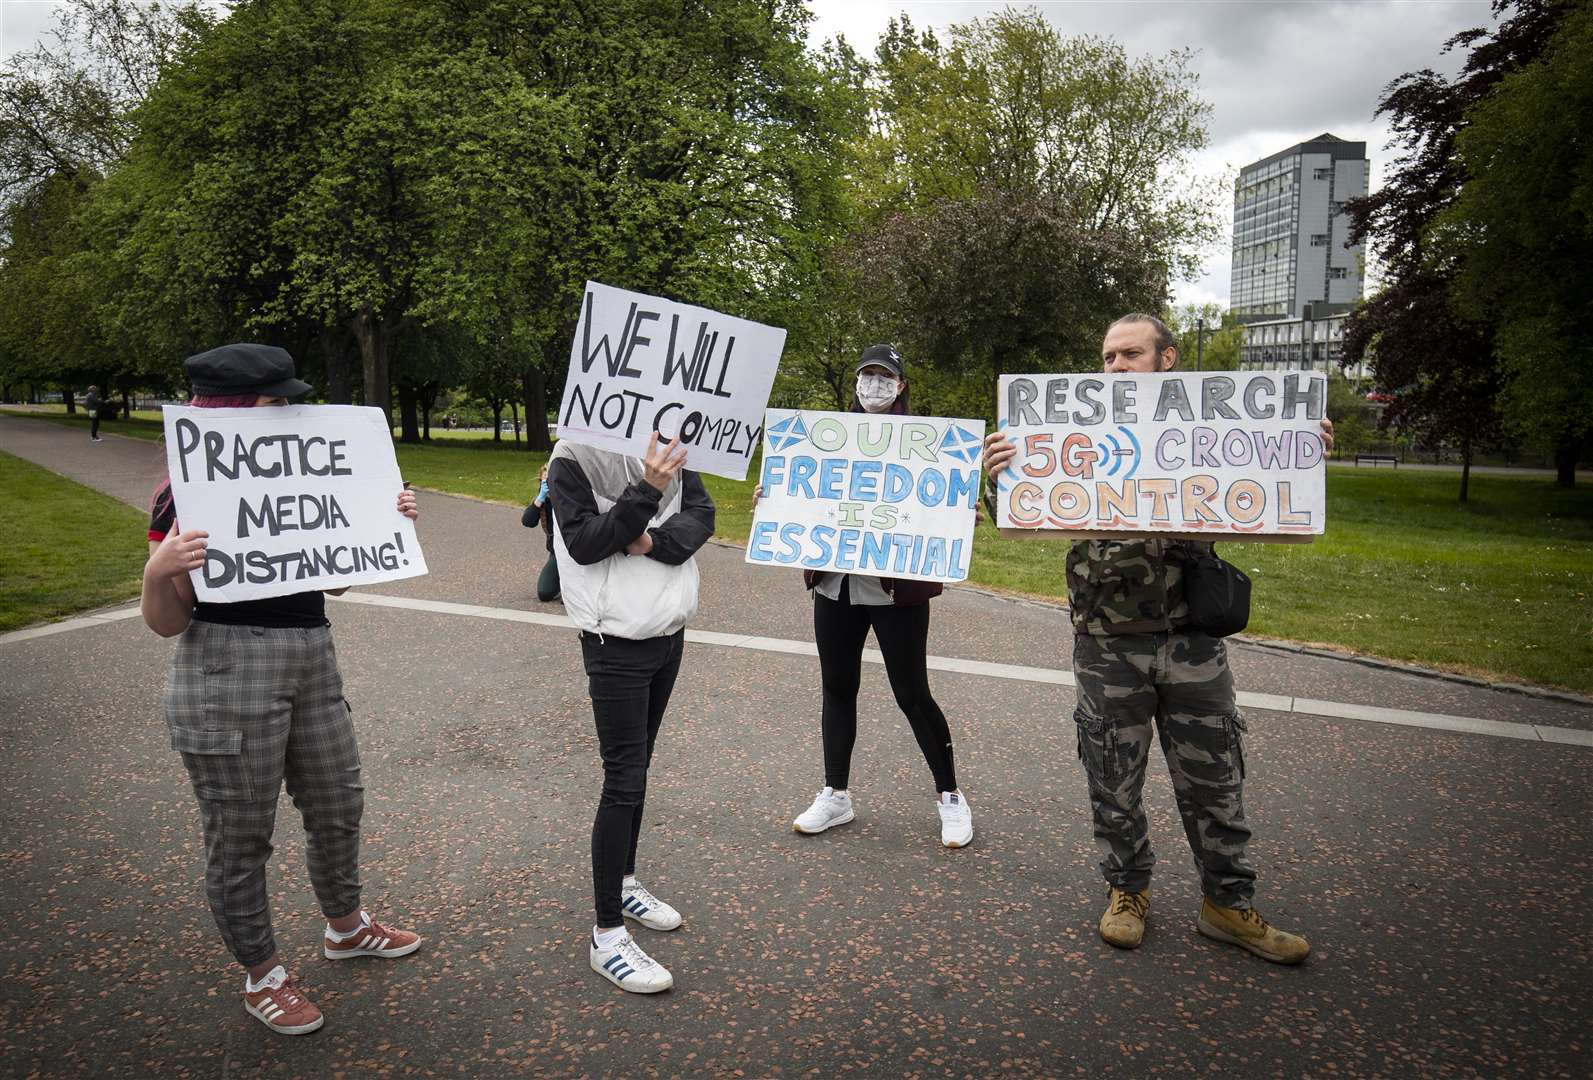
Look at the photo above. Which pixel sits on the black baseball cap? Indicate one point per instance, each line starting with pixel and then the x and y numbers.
pixel 245 368
pixel 884 356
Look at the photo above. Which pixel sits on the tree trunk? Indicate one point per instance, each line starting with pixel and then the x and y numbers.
pixel 534 389
pixel 1566 451
pixel 1465 468
pixel 372 337
pixel 127 405
pixel 409 417
pixel 428 402
pixel 497 420
pixel 71 402
pixel 339 369
pixel 514 411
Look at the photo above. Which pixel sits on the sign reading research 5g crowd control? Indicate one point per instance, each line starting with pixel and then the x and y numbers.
pixel 1232 454
pixel 889 496
pixel 294 498
pixel 640 363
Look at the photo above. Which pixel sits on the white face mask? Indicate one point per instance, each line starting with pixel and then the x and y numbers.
pixel 876 392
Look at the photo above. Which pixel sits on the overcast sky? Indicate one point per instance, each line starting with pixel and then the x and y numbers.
pixel 1275 71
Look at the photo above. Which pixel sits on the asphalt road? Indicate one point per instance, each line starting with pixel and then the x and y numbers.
pixel 1442 878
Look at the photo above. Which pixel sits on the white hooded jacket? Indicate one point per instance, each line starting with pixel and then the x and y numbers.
pixel 600 505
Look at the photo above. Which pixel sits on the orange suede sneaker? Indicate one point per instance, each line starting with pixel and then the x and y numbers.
pixel 371 939
pixel 279 1005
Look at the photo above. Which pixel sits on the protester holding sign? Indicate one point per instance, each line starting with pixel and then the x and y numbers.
pixel 1138 661
pixel 625 533
pixel 845 607
pixel 255 698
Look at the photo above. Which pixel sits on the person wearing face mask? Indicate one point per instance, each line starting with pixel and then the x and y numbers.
pixel 254 700
pixel 845 608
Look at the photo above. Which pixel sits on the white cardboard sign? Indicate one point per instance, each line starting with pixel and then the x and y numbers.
pixel 640 363
pixel 886 496
pixel 1214 455
pixel 295 498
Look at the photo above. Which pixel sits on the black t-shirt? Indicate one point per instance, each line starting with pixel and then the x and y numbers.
pixel 305 609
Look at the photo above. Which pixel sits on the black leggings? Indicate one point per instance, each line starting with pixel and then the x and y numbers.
pixel 630 683
pixel 839 629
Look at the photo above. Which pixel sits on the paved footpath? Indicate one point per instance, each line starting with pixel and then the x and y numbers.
pixel 1430 838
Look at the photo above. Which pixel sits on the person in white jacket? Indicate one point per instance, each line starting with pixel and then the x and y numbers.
pixel 625 533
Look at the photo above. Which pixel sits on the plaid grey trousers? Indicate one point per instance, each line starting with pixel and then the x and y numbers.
pixel 249 707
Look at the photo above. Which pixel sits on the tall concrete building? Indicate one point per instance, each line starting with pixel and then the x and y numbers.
pixel 1294 273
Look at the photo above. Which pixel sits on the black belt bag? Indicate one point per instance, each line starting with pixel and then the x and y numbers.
pixel 1218 595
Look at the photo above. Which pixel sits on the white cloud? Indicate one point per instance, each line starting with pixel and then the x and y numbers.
pixel 24 22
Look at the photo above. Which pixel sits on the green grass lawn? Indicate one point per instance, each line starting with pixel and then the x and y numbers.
pixel 1501 587
pixel 69 548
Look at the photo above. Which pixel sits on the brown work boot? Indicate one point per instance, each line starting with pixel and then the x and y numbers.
pixel 1246 928
pixel 1123 922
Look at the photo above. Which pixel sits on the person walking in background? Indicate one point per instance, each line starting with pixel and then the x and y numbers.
pixel 540 512
pixel 254 699
pixel 626 533
pixel 92 402
pixel 845 608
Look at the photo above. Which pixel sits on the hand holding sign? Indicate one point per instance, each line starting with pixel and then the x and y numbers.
pixel 178 554
pixel 997 453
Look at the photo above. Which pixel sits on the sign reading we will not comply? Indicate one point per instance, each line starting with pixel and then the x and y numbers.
pixel 1205 454
pixel 641 364
pixel 294 498
pixel 889 496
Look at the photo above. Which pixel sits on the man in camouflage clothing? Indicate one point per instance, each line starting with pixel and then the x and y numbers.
pixel 1137 663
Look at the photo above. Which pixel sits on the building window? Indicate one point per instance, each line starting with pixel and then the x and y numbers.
pixel 1319 239
pixel 1338 272
pixel 1322 174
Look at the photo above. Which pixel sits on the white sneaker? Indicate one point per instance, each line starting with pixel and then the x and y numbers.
pixel 647 909
pixel 830 808
pixel 629 968
pixel 956 820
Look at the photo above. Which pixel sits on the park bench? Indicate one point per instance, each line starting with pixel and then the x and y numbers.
pixel 1377 459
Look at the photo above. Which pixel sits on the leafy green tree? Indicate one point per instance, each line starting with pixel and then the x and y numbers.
pixel 1024 189
pixel 1209 336
pixel 1436 360
pixel 1520 234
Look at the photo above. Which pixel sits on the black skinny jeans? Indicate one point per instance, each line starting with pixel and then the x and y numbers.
pixel 630 683
pixel 839 630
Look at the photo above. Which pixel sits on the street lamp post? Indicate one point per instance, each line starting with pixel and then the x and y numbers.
pixel 1200 342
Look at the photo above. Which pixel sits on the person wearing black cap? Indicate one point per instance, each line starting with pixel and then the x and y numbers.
pixel 255 699
pixel 845 607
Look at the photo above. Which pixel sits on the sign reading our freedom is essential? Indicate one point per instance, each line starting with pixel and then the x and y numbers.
pixel 295 498
pixel 1217 454
pixel 889 496
pixel 641 364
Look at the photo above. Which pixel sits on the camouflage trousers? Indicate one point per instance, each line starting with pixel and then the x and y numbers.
pixel 1181 681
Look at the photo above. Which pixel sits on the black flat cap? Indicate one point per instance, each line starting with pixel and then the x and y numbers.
pixel 884 356
pixel 245 368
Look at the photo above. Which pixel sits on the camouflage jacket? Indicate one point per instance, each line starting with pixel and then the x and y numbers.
pixel 1129 586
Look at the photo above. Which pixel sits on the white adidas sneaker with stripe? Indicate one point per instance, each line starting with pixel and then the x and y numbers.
pixel 639 904
pixel 629 968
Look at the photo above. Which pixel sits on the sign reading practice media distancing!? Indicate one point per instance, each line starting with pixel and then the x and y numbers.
pixel 1231 454
pixel 295 498
pixel 888 496
pixel 641 364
